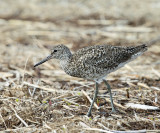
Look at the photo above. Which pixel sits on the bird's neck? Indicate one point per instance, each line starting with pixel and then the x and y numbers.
pixel 65 62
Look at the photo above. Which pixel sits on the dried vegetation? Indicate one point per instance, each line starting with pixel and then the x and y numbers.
pixel 48 100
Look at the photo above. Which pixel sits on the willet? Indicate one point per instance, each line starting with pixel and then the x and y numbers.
pixel 95 62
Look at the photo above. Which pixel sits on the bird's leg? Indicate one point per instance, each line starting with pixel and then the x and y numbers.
pixel 94 98
pixel 110 93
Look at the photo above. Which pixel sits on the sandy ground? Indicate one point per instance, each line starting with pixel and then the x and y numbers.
pixel 46 99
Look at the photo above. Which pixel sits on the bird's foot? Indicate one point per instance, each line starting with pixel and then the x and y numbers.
pixel 89 114
pixel 113 111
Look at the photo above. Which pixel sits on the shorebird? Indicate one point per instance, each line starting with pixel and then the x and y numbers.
pixel 94 63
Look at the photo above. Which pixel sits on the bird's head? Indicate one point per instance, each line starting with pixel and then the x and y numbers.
pixel 60 52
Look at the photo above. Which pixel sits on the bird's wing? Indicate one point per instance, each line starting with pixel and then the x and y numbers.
pixel 107 56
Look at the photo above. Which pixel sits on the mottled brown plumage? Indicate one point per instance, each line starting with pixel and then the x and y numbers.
pixel 94 62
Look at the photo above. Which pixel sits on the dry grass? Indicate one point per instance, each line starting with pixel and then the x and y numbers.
pixel 48 100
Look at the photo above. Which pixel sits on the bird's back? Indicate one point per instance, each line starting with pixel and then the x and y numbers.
pixel 97 61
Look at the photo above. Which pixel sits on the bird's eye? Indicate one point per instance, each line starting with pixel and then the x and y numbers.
pixel 55 50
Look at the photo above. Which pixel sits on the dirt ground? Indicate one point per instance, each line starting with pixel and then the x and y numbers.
pixel 45 99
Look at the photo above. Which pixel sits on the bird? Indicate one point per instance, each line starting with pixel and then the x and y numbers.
pixel 94 63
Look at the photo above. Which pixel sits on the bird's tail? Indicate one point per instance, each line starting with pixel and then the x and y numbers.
pixel 141 48
pixel 137 51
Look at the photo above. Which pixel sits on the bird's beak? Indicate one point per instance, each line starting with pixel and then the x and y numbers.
pixel 44 60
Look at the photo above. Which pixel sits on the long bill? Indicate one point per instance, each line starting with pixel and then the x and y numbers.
pixel 44 60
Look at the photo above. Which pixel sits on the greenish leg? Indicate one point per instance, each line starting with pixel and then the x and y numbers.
pixel 110 93
pixel 94 98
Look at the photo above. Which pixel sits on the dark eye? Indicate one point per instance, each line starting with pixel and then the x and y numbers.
pixel 55 50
